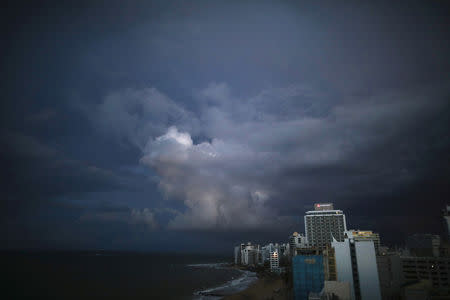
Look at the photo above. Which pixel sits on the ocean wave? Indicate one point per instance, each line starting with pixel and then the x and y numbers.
pixel 230 287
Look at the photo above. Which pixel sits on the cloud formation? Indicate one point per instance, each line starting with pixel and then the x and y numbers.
pixel 286 147
pixel 132 115
pixel 242 113
pixel 203 177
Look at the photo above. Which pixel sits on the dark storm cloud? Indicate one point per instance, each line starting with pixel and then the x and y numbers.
pixel 134 216
pixel 132 115
pixel 35 175
pixel 287 146
pixel 37 181
pixel 205 116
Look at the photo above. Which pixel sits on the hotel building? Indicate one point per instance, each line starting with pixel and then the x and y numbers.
pixel 323 224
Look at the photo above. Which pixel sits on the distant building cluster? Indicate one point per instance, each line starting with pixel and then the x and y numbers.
pixel 252 255
pixel 330 261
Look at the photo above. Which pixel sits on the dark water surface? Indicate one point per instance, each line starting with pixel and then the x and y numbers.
pixel 100 275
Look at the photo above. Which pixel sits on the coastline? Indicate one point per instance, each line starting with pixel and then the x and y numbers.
pixel 262 288
pixel 245 279
pixel 251 284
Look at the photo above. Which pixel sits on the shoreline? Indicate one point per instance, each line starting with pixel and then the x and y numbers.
pixel 262 288
pixel 266 286
pixel 245 279
pixel 252 284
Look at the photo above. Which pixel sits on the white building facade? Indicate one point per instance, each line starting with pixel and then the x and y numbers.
pixel 356 263
pixel 274 261
pixel 366 235
pixel 237 255
pixel 250 254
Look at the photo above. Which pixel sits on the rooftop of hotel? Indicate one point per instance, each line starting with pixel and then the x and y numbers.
pixel 324 212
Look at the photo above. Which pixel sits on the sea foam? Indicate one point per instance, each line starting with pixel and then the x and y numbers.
pixel 230 287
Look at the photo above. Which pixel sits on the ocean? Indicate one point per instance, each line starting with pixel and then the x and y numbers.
pixel 113 275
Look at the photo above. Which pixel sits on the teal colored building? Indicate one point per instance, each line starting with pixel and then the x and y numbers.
pixel 308 275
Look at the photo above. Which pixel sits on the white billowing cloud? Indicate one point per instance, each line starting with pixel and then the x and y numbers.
pixel 208 183
pixel 181 138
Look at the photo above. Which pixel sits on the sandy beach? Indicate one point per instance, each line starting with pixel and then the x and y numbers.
pixel 263 288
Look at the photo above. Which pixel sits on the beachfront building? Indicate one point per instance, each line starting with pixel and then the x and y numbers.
pixel 356 263
pixel 297 240
pixel 265 253
pixel 237 255
pixel 307 275
pixel 323 224
pixel 284 249
pixel 238 259
pixel 266 250
pixel 274 261
pixel 250 254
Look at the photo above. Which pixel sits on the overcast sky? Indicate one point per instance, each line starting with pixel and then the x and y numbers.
pixel 190 126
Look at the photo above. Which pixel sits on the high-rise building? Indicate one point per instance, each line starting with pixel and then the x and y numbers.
pixel 323 224
pixel 267 249
pixel 328 259
pixel 356 263
pixel 284 249
pixel 274 261
pixel 307 275
pixel 265 253
pixel 297 240
pixel 361 235
pixel 242 247
pixel 237 255
pixel 249 254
